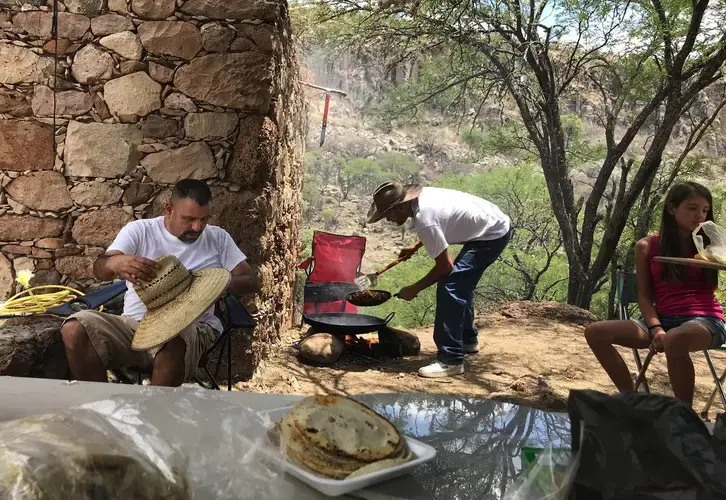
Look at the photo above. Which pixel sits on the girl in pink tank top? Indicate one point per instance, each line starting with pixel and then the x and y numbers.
pixel 680 312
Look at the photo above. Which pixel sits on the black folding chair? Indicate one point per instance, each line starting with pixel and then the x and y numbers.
pixel 234 317
pixel 92 300
pixel 228 308
pixel 627 295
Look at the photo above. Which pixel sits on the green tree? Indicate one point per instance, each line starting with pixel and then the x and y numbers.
pixel 538 54
pixel 330 218
pixel 312 199
pixel 532 267
pixel 360 175
pixel 399 167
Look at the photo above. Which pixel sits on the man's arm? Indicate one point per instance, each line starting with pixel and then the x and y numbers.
pixel 244 280
pixel 441 269
pixel 100 266
pixel 408 252
pixel 131 268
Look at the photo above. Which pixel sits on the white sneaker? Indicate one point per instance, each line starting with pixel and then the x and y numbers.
pixel 438 369
pixel 471 348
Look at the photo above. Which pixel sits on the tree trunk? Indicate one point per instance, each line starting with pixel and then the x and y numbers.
pixel 613 292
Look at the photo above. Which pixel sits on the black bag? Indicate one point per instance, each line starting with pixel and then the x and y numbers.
pixel 639 446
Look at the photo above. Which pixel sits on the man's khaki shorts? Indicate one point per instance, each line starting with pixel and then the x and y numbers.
pixel 111 337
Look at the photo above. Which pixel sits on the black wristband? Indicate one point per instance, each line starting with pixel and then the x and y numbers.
pixel 655 326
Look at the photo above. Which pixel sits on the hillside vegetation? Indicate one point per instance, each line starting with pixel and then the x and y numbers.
pixel 406 118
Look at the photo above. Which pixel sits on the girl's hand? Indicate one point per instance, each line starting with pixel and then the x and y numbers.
pixel 657 344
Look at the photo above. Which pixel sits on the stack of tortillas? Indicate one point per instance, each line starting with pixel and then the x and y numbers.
pixel 336 437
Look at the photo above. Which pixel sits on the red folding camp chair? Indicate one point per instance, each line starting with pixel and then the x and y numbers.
pixel 331 272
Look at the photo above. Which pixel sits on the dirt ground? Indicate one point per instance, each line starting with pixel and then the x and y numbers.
pixel 532 353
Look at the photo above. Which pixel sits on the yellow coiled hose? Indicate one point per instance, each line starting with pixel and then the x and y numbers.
pixel 27 302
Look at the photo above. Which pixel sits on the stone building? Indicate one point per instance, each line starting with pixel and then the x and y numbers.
pixel 141 94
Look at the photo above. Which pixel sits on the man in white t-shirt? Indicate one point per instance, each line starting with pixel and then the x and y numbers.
pixel 443 217
pixel 97 341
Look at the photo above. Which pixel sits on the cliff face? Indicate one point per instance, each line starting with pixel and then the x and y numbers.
pixel 144 93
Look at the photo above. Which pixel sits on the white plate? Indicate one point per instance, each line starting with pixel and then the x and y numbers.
pixel 335 487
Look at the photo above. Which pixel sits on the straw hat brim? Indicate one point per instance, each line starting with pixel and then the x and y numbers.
pixel 160 325
pixel 412 192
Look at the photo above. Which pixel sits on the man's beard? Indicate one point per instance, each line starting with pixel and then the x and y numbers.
pixel 189 236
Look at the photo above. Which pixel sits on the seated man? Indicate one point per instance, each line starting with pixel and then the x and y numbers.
pixel 97 341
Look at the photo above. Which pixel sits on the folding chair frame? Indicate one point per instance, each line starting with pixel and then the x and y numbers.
pixel 234 316
pixel 625 298
pixel 623 302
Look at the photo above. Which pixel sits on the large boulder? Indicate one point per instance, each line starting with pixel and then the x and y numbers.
pixel 322 348
pixel 409 342
pixel 32 347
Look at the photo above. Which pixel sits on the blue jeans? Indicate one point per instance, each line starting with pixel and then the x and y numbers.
pixel 454 323
pixel 715 326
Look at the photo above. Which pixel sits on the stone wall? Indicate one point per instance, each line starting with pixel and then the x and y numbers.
pixel 144 93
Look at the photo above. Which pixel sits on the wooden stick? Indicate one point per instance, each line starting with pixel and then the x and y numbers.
pixel 389 266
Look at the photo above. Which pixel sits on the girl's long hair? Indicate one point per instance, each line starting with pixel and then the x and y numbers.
pixel 671 244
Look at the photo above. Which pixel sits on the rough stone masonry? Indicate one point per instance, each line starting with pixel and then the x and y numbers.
pixel 148 92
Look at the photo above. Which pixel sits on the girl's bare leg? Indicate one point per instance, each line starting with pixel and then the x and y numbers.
pixel 602 335
pixel 679 343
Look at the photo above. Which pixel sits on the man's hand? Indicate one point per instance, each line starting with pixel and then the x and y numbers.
pixel 407 253
pixel 132 268
pixel 657 343
pixel 407 293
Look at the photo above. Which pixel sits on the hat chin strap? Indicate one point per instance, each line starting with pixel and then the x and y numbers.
pixel 164 298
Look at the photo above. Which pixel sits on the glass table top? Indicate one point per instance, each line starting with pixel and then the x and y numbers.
pixel 479 443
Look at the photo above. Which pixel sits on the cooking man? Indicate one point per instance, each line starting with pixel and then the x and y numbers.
pixel 443 217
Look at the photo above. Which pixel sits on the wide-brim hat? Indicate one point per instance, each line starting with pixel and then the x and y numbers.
pixel 389 195
pixel 175 299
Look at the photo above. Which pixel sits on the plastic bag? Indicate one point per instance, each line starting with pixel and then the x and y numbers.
pixel 198 438
pixel 642 446
pixel 716 249
pixel 548 475
pixel 80 455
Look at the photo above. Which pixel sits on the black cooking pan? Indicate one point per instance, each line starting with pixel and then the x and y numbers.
pixel 368 298
pixel 345 323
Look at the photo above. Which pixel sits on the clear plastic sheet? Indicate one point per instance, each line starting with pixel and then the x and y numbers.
pixel 715 251
pixel 198 443
pixel 79 454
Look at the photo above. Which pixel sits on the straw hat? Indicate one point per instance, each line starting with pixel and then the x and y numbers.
pixel 174 300
pixel 388 195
